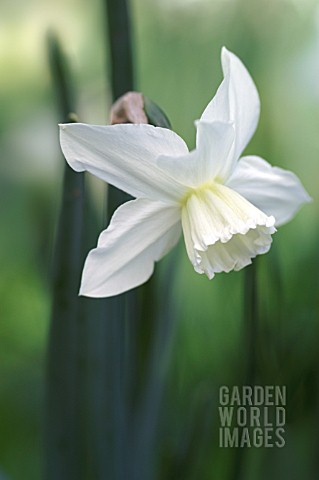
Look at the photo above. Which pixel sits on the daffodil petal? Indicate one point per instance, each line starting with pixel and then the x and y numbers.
pixel 236 101
pixel 275 191
pixel 141 232
pixel 207 161
pixel 215 145
pixel 125 156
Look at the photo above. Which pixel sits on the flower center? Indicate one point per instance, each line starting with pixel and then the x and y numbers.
pixel 212 186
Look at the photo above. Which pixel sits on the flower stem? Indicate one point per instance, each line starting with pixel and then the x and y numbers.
pixel 108 334
pixel 62 428
pixel 120 46
pixel 250 322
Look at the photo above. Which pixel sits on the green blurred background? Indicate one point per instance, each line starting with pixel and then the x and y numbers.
pixel 177 47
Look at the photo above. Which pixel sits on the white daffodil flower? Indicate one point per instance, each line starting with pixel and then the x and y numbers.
pixel 226 206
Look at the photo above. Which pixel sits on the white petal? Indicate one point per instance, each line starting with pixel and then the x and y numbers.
pixel 218 217
pixel 140 233
pixel 275 191
pixel 125 156
pixel 236 101
pixel 207 161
